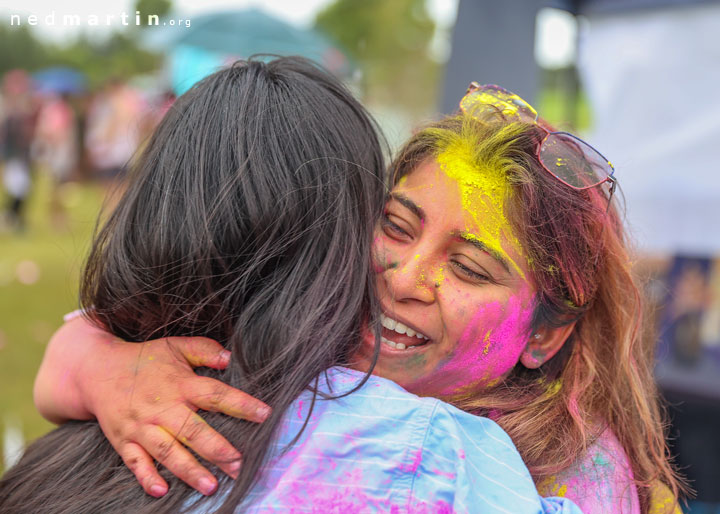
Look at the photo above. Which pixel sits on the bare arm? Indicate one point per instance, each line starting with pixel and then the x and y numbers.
pixel 145 397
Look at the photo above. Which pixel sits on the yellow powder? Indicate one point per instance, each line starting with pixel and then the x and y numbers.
pixel 440 275
pixel 482 193
pixel 509 104
pixel 662 500
pixel 493 382
pixel 486 340
pixel 550 487
pixel 553 387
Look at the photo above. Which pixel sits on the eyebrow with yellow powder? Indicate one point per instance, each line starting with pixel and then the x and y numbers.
pixel 472 239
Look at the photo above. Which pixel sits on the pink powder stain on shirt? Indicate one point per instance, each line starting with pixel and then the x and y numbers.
pixel 601 481
pixel 412 468
pixel 300 410
pixel 445 474
pixel 439 507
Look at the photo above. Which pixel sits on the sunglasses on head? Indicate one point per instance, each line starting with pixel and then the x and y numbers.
pixel 566 157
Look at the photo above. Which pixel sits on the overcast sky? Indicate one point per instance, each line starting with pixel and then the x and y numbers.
pixel 555 44
pixel 299 12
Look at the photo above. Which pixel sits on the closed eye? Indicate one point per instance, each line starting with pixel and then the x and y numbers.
pixel 464 271
pixel 392 229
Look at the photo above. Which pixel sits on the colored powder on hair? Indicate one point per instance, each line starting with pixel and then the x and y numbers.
pixel 554 387
pixel 482 193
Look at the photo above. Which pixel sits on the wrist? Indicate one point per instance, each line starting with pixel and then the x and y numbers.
pixel 97 353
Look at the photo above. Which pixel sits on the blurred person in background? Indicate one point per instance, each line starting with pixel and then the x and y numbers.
pixel 55 147
pixel 16 133
pixel 113 130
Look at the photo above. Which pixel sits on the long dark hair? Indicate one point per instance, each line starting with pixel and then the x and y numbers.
pixel 248 219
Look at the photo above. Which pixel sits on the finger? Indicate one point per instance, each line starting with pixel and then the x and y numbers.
pixel 200 351
pixel 215 396
pixel 171 454
pixel 143 467
pixel 193 431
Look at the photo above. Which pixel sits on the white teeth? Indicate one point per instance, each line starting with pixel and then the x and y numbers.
pixel 387 342
pixel 388 323
pixel 391 344
pixel 397 346
pixel 400 328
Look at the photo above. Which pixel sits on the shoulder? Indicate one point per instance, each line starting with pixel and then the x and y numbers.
pixel 601 481
pixel 444 429
pixel 469 464
pixel 454 461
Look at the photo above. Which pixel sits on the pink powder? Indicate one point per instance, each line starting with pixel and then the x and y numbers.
pixel 477 360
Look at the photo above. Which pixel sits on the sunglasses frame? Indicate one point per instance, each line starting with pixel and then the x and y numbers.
pixel 524 107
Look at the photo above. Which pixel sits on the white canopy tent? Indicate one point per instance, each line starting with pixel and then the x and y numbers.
pixel 653 79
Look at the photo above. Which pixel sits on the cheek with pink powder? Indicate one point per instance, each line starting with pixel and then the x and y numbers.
pixel 489 346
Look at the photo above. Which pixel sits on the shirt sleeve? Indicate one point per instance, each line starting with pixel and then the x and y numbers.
pixel 469 464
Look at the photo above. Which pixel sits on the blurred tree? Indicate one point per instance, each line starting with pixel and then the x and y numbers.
pixel 390 41
pixel 117 56
pixel 32 55
pixel 152 7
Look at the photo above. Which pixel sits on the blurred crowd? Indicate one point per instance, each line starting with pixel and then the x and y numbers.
pixel 54 126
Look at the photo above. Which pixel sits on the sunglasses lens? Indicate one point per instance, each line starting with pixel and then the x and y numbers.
pixel 574 161
pixel 498 100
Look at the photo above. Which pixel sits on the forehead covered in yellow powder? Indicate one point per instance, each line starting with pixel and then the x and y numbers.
pixel 483 193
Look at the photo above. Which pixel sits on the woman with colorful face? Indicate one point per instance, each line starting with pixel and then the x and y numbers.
pixel 507 291
pixel 520 287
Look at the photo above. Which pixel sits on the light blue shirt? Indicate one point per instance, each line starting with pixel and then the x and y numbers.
pixel 382 449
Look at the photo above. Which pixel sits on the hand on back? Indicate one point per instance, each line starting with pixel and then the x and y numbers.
pixel 145 397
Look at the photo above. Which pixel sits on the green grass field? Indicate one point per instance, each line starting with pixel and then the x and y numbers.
pixel 39 272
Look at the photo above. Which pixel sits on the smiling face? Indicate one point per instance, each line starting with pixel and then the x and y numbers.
pixel 451 271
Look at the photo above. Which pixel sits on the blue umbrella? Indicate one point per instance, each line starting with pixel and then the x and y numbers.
pixel 246 32
pixel 217 39
pixel 59 80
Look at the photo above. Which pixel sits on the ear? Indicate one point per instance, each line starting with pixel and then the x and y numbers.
pixel 544 344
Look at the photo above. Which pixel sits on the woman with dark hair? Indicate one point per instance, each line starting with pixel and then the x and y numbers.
pixel 505 286
pixel 249 219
